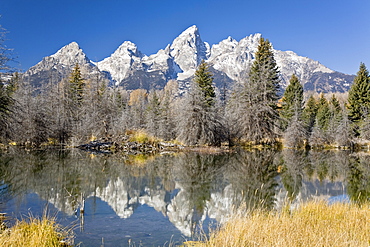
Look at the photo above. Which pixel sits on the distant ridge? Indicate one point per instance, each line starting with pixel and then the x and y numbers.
pixel 230 61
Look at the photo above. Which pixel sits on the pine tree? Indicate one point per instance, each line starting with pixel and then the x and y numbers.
pixel 323 113
pixel 335 119
pixel 309 113
pixel 292 102
pixel 336 115
pixel 197 122
pixel 204 79
pixel 256 109
pixel 265 74
pixel 359 96
pixel 76 85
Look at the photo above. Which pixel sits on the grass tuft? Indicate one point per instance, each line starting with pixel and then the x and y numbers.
pixel 32 232
pixel 312 224
pixel 140 136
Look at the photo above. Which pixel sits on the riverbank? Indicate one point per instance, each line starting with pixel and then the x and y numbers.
pixel 139 141
pixel 314 223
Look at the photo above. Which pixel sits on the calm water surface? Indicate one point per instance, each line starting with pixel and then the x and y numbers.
pixel 154 200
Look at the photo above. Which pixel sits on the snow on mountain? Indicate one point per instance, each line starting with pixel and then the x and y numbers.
pixel 70 54
pixel 234 58
pixel 124 59
pixel 290 63
pixel 58 66
pixel 188 50
pixel 230 61
pixel 177 61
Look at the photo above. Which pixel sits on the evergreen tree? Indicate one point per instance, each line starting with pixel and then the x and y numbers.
pixel 292 102
pixel 198 123
pixel 204 79
pixel 335 120
pixel 255 108
pixel 76 85
pixel 323 113
pixel 359 96
pixel 309 113
pixel 335 109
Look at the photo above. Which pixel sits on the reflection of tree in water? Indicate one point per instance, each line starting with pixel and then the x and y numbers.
pixel 320 164
pixel 252 177
pixel 358 179
pixel 330 165
pixel 199 176
pixel 63 177
pixel 186 181
pixel 292 172
pixel 57 175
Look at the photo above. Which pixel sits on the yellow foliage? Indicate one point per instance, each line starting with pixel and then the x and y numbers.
pixel 12 143
pixel 140 136
pixel 137 96
pixel 139 159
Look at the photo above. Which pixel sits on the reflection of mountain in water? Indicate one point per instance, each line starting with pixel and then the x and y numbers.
pixel 186 188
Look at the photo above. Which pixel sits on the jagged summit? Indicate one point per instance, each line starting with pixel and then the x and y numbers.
pixel 188 50
pixel 71 47
pixel 54 68
pixel 130 48
pixel 230 61
pixel 190 30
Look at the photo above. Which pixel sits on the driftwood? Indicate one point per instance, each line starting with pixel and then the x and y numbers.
pixel 100 146
pixel 96 145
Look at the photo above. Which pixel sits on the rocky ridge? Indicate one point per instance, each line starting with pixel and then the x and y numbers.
pixel 230 61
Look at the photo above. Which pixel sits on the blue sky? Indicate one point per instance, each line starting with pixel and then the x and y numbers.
pixel 336 33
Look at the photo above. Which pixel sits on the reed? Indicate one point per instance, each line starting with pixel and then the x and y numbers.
pixel 313 224
pixel 30 232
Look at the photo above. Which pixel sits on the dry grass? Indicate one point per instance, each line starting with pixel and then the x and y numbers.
pixel 312 224
pixel 140 136
pixel 36 232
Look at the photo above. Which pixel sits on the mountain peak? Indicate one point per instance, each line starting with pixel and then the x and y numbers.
pixel 72 47
pixel 230 60
pixel 128 48
pixel 190 30
pixel 188 49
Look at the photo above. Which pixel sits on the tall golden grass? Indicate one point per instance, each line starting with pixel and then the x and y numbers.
pixel 31 232
pixel 312 224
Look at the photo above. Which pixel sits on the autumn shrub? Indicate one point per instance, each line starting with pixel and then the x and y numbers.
pixel 140 136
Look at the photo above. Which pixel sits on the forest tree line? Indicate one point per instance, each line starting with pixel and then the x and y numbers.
pixel 76 110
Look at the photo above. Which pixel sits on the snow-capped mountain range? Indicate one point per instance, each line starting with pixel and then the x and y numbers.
pixel 230 61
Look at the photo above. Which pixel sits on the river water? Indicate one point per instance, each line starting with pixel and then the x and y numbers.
pixel 166 199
